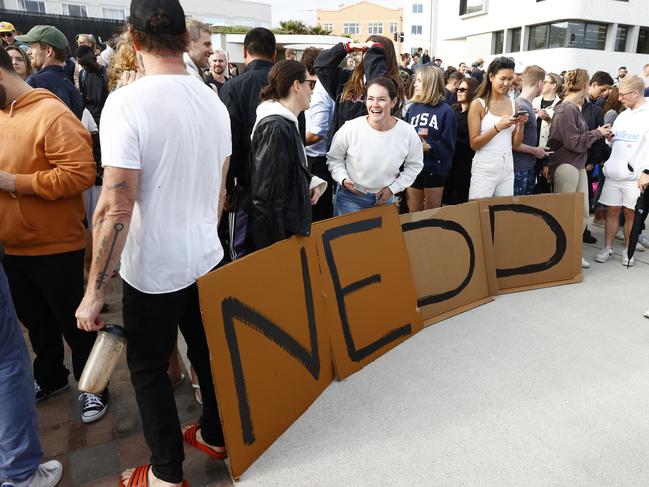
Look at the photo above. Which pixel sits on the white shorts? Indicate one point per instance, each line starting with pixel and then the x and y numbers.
pixel 620 193
pixel 492 174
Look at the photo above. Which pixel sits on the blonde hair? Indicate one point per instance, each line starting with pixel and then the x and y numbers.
pixel 124 59
pixel 575 80
pixel 195 28
pixel 633 83
pixel 432 86
pixel 532 75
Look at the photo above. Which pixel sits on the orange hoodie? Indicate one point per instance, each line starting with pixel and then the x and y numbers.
pixel 50 152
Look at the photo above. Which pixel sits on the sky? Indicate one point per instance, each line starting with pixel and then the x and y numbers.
pixel 305 9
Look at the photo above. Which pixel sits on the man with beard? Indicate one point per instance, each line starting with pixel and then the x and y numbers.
pixel 199 49
pixel 45 163
pixel 218 63
pixel 47 46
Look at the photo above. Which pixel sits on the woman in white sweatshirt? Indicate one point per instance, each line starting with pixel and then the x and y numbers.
pixel 367 153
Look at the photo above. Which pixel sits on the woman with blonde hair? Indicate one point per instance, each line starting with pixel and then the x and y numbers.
pixel 436 126
pixel 570 139
pixel 123 66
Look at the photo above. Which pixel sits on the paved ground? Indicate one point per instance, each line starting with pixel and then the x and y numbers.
pixel 95 454
pixel 543 388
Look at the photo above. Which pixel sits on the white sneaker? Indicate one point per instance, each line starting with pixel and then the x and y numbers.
pixel 644 241
pixel 604 255
pixel 626 261
pixel 584 263
pixel 639 247
pixel 620 234
pixel 47 474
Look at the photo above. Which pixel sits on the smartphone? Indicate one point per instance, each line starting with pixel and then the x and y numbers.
pixel 520 114
pixel 422 131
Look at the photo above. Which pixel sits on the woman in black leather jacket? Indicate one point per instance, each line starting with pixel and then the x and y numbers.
pixel 282 189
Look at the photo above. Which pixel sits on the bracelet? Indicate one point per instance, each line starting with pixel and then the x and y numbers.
pixel 496 129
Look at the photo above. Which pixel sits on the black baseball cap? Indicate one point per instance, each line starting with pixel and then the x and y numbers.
pixel 158 16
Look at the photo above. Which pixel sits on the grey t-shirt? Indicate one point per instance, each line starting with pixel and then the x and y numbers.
pixel 524 161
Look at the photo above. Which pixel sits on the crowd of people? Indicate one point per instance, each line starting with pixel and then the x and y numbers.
pixel 155 158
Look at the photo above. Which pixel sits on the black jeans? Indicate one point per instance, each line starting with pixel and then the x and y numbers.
pixel 324 208
pixel 46 290
pixel 151 322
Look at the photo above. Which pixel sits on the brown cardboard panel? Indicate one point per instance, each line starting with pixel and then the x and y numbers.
pixel 536 239
pixel 264 321
pixel 369 291
pixel 447 258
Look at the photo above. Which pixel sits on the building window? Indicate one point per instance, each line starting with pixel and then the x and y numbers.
pixel 328 27
pixel 417 8
pixel 514 40
pixel 471 6
pixel 393 27
pixel 497 42
pixel 375 28
pixel 416 30
pixel 620 38
pixel 643 41
pixel 33 6
pixel 570 33
pixel 74 10
pixel 351 28
pixel 115 14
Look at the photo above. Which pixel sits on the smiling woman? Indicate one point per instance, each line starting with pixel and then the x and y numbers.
pixel 367 153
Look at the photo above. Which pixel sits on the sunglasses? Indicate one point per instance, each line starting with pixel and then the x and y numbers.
pixel 462 90
pixel 6 34
pixel 311 83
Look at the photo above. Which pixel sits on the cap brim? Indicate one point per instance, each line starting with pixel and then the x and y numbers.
pixel 26 38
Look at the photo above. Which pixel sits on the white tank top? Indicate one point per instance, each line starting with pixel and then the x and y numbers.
pixel 502 142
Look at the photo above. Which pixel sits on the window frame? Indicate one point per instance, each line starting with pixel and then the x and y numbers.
pixel 347 28
pixel 23 8
pixel 375 28
pixel 65 10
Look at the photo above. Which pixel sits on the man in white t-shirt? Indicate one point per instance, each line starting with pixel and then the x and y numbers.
pixel 165 148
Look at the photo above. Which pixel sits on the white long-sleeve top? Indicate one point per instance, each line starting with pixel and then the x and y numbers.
pixel 630 144
pixel 372 158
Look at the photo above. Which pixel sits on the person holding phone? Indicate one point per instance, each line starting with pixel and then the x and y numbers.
pixel 436 126
pixel 495 126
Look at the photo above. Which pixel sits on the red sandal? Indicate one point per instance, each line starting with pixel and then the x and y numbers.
pixel 190 438
pixel 140 478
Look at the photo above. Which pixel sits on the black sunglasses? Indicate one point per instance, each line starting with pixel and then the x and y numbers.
pixel 6 34
pixel 311 83
pixel 462 90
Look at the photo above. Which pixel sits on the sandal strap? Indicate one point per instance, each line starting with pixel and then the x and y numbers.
pixel 139 477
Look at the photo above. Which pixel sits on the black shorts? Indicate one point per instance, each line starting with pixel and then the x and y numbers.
pixel 428 180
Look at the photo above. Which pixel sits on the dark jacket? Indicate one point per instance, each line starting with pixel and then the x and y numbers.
pixel 594 116
pixel 279 203
pixel 94 90
pixel 54 79
pixel 569 137
pixel 241 97
pixel 333 79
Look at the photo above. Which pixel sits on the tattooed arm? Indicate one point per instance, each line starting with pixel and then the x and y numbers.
pixel 110 227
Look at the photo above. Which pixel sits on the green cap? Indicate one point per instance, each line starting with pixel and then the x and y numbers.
pixel 47 34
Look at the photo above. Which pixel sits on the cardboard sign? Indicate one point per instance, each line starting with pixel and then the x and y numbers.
pixel 271 359
pixel 447 257
pixel 369 291
pixel 536 240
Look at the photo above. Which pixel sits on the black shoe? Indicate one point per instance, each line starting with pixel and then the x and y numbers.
pixel 588 237
pixel 42 394
pixel 94 406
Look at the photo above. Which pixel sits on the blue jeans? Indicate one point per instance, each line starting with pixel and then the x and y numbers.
pixel 20 447
pixel 524 182
pixel 347 202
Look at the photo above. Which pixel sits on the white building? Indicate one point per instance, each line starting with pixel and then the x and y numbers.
pixel 217 12
pixel 555 34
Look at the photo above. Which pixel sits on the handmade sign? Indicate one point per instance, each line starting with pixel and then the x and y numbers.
pixel 369 292
pixel 264 321
pixel 447 258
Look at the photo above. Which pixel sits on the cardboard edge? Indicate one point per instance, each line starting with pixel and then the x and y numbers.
pixel 457 311
pixel 488 247
pixel 575 280
pixel 578 246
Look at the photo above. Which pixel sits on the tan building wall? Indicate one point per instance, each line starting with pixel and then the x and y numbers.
pixel 361 20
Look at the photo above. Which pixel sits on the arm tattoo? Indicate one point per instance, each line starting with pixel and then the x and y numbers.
pixel 122 185
pixel 101 279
